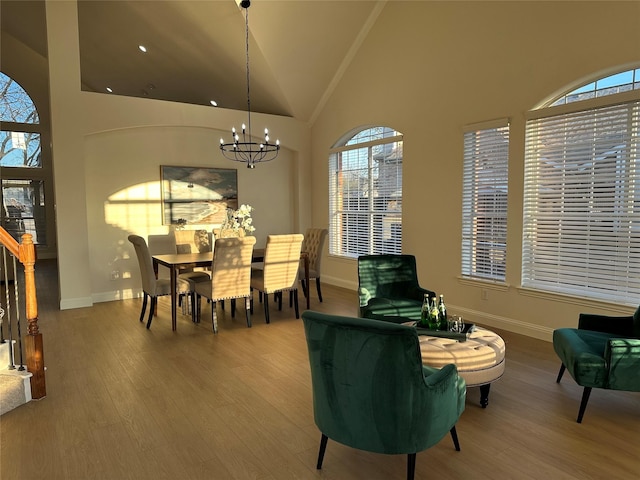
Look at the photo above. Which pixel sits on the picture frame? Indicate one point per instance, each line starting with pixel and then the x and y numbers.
pixel 197 195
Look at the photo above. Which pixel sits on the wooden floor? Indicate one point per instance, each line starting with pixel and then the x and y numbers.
pixel 124 402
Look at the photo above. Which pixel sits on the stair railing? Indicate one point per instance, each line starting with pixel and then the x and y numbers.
pixel 25 253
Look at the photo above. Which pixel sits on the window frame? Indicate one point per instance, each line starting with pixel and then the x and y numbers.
pixel 485 167
pixel 359 229
pixel 609 286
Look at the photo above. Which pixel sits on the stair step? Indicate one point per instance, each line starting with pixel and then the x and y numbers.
pixel 15 384
pixel 15 389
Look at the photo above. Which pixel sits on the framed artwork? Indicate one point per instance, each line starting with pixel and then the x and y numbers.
pixel 197 195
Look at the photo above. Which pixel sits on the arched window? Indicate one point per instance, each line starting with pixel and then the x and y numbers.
pixel 365 193
pixel 582 192
pixel 617 83
pixel 19 140
pixel 23 181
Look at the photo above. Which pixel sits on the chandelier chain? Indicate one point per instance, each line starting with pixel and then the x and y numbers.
pixel 243 149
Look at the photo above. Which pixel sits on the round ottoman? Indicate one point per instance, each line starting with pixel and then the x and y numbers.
pixel 480 360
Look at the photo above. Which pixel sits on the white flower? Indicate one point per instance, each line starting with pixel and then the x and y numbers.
pixel 239 219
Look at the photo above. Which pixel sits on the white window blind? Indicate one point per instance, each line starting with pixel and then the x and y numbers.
pixel 484 202
pixel 365 194
pixel 582 203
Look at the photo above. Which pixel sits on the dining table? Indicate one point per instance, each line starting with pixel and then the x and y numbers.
pixel 180 261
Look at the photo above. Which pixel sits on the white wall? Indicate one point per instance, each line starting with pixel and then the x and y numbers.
pixel 123 194
pixel 105 147
pixel 428 69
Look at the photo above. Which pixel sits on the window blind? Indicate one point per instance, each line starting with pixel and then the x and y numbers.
pixel 582 203
pixel 484 202
pixel 365 198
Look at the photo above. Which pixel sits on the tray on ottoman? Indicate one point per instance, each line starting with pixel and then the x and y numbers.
pixel 461 336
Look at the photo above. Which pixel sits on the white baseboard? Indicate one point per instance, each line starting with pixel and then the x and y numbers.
pixel 482 318
pixel 340 282
pixel 505 323
pixel 70 303
pixel 115 295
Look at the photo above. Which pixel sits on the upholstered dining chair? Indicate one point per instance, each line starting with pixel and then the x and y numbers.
pixel 313 245
pixel 230 276
pixel 279 272
pixel 152 287
pixel 193 241
pixel 371 390
pixel 603 352
pixel 166 244
pixel 388 288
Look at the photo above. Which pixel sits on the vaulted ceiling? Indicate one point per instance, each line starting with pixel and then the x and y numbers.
pixel 196 49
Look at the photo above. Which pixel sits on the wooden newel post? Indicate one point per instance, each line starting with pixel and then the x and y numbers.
pixel 33 341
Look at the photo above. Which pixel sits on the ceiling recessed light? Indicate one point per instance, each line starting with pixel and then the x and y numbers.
pixel 109 90
pixel 142 48
pixel 214 103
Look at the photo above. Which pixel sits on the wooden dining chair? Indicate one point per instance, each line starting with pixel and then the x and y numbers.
pixel 230 276
pixel 280 270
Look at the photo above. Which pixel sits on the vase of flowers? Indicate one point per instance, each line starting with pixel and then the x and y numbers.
pixel 237 223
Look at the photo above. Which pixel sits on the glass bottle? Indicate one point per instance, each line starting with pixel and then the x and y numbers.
pixel 443 313
pixel 434 316
pixel 424 312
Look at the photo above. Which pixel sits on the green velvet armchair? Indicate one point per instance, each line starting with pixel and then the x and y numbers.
pixel 371 391
pixel 603 352
pixel 388 288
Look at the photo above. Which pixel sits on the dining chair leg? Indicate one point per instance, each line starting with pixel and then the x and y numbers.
pixel 214 317
pixel 233 308
pixel 247 306
pixel 144 305
pixel 318 289
pixel 279 294
pixel 295 302
pixel 152 307
pixel 195 308
pixel 266 307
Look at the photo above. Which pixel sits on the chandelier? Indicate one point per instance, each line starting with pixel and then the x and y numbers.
pixel 242 148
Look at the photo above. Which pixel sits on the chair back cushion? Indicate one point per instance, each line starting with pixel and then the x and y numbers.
pixel 386 276
pixel 281 262
pixel 193 241
pixel 313 244
pixel 146 264
pixel 369 386
pixel 231 268
pixel 636 323
pixel 159 245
